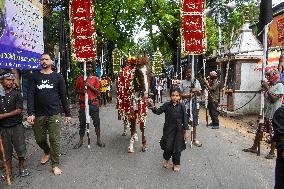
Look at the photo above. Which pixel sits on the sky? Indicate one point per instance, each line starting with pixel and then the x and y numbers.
pixel 275 2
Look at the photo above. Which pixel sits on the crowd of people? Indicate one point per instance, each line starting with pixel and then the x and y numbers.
pixel 47 95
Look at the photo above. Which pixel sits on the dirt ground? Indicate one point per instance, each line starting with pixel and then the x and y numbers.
pixel 246 125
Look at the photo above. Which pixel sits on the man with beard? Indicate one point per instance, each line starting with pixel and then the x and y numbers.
pixel 12 130
pixel 46 93
pixel 191 89
pixel 93 90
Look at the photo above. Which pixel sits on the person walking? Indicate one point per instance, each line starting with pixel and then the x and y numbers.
pixel 46 94
pixel 191 90
pixel 175 131
pixel 11 128
pixel 93 90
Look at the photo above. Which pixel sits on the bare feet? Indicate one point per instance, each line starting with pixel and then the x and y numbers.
pixel 44 159
pixel 56 171
pixel 176 168
pixel 167 164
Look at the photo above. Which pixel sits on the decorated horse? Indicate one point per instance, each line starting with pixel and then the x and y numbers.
pixel 132 97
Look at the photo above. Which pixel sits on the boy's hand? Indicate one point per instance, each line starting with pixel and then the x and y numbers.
pixel 1 116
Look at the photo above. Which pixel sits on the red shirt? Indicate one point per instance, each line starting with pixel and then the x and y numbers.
pixel 80 86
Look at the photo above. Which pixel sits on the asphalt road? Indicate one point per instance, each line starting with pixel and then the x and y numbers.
pixel 219 164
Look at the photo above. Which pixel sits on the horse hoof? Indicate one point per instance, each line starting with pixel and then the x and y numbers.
pixel 123 134
pixel 130 150
pixel 144 149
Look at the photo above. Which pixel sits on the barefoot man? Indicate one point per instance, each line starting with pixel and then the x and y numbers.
pixel 47 91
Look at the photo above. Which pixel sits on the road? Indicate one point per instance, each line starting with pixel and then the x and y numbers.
pixel 219 164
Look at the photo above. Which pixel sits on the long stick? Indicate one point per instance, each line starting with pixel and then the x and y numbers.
pixel 205 92
pixel 264 59
pixel 87 106
pixel 190 104
pixel 7 168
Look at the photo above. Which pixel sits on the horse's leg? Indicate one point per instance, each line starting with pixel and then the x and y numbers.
pixel 125 126
pixel 144 142
pixel 132 130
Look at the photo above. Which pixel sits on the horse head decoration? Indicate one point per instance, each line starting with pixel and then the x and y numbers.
pixel 133 87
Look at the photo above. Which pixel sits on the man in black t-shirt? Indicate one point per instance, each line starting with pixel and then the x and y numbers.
pixel 46 93
pixel 12 130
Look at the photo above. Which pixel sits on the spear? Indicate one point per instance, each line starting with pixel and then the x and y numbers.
pixel 7 168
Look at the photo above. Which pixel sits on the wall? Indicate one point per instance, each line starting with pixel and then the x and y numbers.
pixel 250 81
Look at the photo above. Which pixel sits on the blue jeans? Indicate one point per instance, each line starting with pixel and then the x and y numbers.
pixel 94 114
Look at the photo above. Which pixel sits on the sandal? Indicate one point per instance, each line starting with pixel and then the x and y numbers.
pixel 270 156
pixel 251 150
pixel 44 161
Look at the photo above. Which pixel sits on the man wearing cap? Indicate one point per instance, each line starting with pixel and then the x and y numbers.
pixel 213 87
pixel 12 130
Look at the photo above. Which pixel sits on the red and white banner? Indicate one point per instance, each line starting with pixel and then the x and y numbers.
pixel 83 30
pixel 193 27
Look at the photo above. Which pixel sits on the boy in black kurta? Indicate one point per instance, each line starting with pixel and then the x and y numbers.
pixel 175 131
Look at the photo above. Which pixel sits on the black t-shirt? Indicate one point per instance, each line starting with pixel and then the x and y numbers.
pixel 8 103
pixel 46 94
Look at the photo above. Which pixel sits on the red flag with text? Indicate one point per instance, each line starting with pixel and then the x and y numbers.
pixel 193 27
pixel 83 30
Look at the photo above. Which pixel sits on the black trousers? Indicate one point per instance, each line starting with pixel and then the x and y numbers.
pixel 214 113
pixel 279 171
pixel 175 157
pixel 94 114
pixel 14 137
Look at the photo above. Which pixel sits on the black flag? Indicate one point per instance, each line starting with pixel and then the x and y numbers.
pixel 265 15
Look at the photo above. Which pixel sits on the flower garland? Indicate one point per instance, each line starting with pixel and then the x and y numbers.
pixel 127 101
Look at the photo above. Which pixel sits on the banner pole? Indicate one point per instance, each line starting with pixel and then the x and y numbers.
pixel 87 106
pixel 264 60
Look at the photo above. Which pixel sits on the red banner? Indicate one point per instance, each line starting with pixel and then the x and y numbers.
pixel 193 27
pixel 83 30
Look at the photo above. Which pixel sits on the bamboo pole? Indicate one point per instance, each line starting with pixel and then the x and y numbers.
pixel 7 168
pixel 87 108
